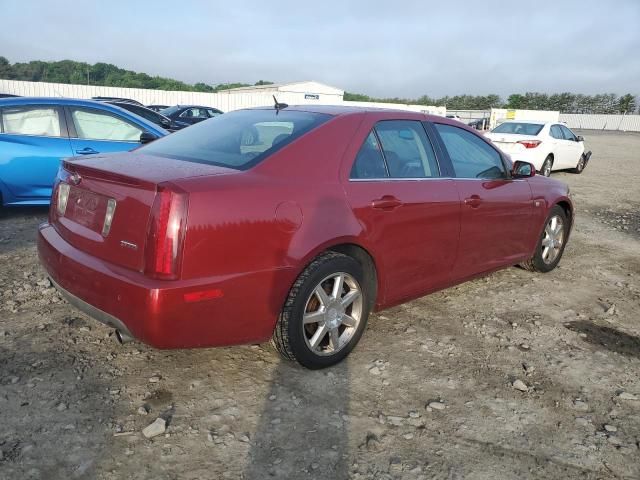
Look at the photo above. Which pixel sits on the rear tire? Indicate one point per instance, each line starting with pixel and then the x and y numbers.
pixel 580 166
pixel 545 170
pixel 551 243
pixel 325 313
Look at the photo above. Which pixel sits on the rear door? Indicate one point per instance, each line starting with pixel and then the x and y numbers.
pixel 496 209
pixel 410 213
pixel 33 140
pixel 561 150
pixel 99 131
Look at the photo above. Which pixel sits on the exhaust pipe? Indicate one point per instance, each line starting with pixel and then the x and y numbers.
pixel 122 337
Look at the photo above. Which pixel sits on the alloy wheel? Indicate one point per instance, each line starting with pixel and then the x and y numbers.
pixel 332 314
pixel 553 239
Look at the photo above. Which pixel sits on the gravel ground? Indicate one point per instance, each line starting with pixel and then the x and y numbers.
pixel 516 375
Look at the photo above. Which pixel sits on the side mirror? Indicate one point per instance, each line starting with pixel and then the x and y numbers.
pixel 146 137
pixel 580 138
pixel 522 169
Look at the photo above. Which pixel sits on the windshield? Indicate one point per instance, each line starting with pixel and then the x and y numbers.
pixel 519 128
pixel 239 139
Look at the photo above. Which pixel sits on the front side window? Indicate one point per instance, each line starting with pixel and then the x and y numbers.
pixel 96 125
pixel 556 132
pixel 213 113
pixel 470 155
pixel 237 139
pixel 194 113
pixel 568 134
pixel 396 149
pixel 40 121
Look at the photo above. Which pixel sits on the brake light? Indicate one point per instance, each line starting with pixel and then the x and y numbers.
pixel 530 143
pixel 165 239
pixel 62 198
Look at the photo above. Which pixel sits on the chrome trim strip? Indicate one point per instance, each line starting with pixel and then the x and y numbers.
pixel 420 179
pixel 93 312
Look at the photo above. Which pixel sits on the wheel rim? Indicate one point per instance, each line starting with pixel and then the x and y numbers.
pixel 546 171
pixel 332 314
pixel 553 239
pixel 580 164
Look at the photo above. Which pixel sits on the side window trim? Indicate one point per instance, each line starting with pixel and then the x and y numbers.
pixel 381 149
pixel 505 168
pixel 442 159
pixel 64 131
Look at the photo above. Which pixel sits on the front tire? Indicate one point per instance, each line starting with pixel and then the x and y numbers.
pixel 551 244
pixel 545 170
pixel 580 165
pixel 325 313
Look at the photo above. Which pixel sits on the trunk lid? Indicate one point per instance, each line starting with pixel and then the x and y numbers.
pixel 508 142
pixel 125 184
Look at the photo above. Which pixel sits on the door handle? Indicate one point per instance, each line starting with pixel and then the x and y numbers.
pixel 473 201
pixel 387 202
pixel 86 151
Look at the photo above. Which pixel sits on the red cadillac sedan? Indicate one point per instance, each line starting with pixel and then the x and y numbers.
pixel 292 224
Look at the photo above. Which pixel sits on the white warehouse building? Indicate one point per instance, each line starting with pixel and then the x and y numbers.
pixel 295 93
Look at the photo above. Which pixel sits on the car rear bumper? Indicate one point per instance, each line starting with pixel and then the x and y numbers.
pixel 157 312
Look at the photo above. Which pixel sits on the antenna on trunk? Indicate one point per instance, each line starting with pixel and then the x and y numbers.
pixel 279 106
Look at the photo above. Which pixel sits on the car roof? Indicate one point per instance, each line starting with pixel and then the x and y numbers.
pixel 17 101
pixel 535 122
pixel 338 110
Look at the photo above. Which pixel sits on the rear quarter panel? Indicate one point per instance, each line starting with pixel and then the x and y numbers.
pixel 263 226
pixel 546 193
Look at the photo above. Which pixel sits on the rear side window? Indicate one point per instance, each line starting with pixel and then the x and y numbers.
pixel 369 162
pixel 239 139
pixel 518 128
pixel 470 155
pixel 96 125
pixel 404 151
pixel 40 121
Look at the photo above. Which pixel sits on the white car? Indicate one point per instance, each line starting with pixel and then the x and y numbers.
pixel 548 146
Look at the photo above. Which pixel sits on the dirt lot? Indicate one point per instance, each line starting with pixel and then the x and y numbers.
pixel 71 398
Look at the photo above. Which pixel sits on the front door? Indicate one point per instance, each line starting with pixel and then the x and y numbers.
pixel 496 209
pixel 407 210
pixel 97 131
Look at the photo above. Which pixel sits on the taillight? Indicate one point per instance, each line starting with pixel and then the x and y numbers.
pixel 62 195
pixel 166 233
pixel 530 143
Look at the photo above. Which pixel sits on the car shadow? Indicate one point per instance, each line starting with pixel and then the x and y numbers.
pixel 607 337
pixel 307 404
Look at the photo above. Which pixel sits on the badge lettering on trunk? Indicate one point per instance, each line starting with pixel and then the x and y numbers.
pixel 125 244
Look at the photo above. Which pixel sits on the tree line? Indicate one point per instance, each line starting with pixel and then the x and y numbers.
pixel 564 102
pixel 103 74
pixel 106 74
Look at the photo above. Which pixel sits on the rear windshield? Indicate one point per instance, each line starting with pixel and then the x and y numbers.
pixel 239 139
pixel 519 128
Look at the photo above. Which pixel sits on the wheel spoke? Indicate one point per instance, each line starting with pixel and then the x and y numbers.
pixel 349 321
pixel 322 295
pixel 313 317
pixel 546 242
pixel 545 253
pixel 338 283
pixel 318 336
pixel 334 338
pixel 553 223
pixel 349 298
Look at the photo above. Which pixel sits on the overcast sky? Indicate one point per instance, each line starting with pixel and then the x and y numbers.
pixel 381 48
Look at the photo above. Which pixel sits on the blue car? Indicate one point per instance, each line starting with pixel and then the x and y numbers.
pixel 36 133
